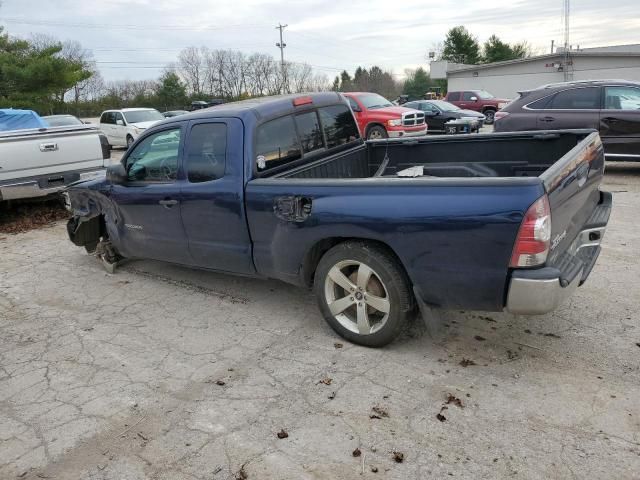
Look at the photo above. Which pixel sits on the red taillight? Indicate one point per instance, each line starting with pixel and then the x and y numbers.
pixel 302 101
pixel 498 115
pixel 532 244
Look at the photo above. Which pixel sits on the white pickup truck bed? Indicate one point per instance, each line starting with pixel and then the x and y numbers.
pixel 38 162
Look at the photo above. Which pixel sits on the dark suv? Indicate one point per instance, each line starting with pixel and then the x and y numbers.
pixel 477 100
pixel 610 106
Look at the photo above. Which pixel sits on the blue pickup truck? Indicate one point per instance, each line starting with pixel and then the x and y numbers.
pixel 285 188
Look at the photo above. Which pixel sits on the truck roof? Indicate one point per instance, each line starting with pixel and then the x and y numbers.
pixel 262 107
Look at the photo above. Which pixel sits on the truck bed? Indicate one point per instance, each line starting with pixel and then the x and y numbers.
pixel 527 154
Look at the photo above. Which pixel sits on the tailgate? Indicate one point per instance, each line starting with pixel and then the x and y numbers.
pixel 35 154
pixel 572 187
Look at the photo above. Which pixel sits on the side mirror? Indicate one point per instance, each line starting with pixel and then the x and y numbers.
pixel 116 174
pixel 474 99
pixel 356 109
pixel 120 122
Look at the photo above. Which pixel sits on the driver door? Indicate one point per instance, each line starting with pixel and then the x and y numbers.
pixel 148 203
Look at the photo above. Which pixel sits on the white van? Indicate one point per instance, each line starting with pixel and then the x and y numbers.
pixel 123 126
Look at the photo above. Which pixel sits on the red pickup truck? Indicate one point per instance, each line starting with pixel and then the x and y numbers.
pixel 478 100
pixel 379 118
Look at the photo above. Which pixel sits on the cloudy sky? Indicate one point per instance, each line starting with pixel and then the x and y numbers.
pixel 136 38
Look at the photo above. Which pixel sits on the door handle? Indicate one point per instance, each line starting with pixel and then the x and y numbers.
pixel 168 203
pixel 48 147
pixel 547 119
pixel 610 120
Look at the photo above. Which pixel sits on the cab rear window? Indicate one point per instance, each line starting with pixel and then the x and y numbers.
pixel 286 139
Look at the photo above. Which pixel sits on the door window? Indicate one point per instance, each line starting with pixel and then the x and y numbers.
pixel 453 96
pixel 309 132
pixel 277 143
pixel 105 117
pixel 577 99
pixel 353 104
pixel 429 107
pixel 621 98
pixel 338 125
pixel 155 159
pixel 206 152
pixel 466 96
pixel 118 116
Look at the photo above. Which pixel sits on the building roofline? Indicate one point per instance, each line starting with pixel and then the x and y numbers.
pixel 572 53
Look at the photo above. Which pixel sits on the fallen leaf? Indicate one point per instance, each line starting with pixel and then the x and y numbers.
pixel 467 362
pixel 552 335
pixel 398 457
pixel 526 330
pixel 479 338
pixel 441 417
pixel 326 381
pixel 220 382
pixel 356 452
pixel 332 395
pixel 637 344
pixel 242 475
pixel 338 345
pixel 381 411
pixel 143 437
pixel 282 434
pixel 455 400
pixel 374 469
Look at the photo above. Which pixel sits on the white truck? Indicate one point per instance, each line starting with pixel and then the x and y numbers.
pixel 35 162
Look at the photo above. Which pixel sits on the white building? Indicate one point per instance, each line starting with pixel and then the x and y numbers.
pixel 506 79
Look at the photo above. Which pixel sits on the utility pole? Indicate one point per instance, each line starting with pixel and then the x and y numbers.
pixel 567 58
pixel 281 46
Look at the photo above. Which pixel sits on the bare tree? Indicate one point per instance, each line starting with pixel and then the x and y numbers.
pixel 192 69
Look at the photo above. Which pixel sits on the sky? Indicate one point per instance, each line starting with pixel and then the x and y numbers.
pixel 135 39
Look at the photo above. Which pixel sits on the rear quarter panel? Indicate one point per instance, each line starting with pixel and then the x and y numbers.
pixel 454 238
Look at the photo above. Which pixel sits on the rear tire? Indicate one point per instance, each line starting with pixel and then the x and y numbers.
pixel 377 132
pixel 363 293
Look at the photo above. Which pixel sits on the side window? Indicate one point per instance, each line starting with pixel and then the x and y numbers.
pixel 621 98
pixel 118 116
pixel 155 159
pixel 467 96
pixel 206 152
pixel 541 104
pixel 453 96
pixel 352 103
pixel 429 107
pixel 277 143
pixel 338 124
pixel 104 118
pixel 577 99
pixel 309 132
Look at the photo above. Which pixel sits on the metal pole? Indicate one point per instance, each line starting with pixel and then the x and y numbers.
pixel 281 46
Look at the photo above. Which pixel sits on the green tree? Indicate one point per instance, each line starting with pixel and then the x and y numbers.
pixel 417 84
pixel 336 84
pixel 495 50
pixel 33 77
pixel 461 47
pixel 171 91
pixel 346 84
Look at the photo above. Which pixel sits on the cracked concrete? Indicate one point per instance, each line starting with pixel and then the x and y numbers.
pixel 120 376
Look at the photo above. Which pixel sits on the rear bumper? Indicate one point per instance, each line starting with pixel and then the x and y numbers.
pixel 536 292
pixel 34 187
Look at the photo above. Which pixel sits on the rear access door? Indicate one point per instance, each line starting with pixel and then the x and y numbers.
pixel 620 123
pixel 212 203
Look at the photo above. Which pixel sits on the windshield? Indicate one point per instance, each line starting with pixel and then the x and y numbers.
pixel 484 95
pixel 62 121
pixel 371 101
pixel 138 116
pixel 444 106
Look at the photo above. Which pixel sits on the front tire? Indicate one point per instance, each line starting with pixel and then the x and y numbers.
pixel 363 293
pixel 489 116
pixel 129 141
pixel 376 133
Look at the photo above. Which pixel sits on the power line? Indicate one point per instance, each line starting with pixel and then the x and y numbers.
pixel 131 26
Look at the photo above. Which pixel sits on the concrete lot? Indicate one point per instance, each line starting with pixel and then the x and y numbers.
pixel 167 373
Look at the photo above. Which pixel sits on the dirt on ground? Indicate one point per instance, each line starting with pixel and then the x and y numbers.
pixel 19 217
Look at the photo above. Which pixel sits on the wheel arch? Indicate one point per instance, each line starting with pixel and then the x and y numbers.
pixel 370 126
pixel 317 251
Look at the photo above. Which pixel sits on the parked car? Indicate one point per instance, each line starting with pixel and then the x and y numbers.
pixel 123 127
pixel 200 104
pixel 439 112
pixel 62 120
pixel 477 100
pixel 610 106
pixel 285 188
pixel 174 113
pixel 378 118
pixel 36 160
